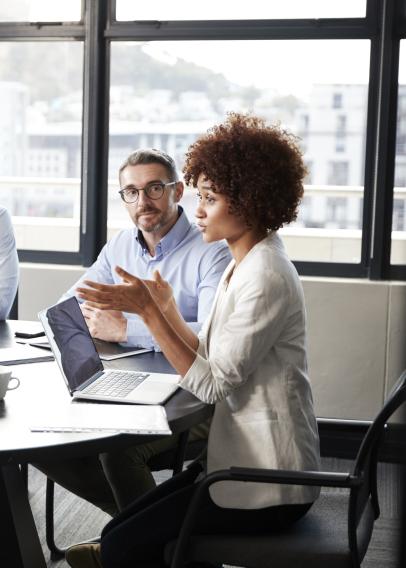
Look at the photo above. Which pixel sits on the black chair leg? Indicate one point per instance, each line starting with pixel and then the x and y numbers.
pixel 180 452
pixel 56 552
pixel 24 474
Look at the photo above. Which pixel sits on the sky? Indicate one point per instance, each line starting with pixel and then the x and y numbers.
pixel 51 10
pixel 262 64
pixel 287 66
pixel 238 9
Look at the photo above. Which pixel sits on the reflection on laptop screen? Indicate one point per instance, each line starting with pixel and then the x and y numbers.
pixel 79 357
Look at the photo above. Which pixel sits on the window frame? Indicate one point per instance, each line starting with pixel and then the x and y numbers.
pixel 384 25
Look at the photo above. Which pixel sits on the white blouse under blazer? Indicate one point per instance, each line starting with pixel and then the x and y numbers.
pixel 251 363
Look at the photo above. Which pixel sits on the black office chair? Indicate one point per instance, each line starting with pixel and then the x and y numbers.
pixel 172 459
pixel 335 533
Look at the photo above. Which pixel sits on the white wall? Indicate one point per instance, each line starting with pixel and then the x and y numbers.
pixel 357 336
pixel 356 332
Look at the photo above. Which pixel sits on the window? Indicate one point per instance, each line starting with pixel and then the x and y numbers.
pixel 337 214
pixel 304 122
pixel 40 11
pixel 40 141
pixel 341 123
pixel 338 173
pixel 340 142
pixel 398 248
pixel 165 94
pixel 159 74
pixel 256 9
pixel 337 100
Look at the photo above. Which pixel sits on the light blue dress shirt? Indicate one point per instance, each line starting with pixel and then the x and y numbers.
pixel 8 264
pixel 192 267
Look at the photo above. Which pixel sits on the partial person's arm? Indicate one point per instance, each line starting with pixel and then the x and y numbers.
pixel 262 309
pixel 130 329
pixel 177 340
pixel 8 265
pixel 109 326
pixel 263 313
pixel 211 269
pixel 106 325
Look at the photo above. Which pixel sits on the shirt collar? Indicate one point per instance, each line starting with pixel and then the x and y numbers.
pixel 172 238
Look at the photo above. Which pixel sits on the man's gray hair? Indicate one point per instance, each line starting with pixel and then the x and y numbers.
pixel 151 156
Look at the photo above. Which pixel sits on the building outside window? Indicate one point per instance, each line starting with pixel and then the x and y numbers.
pixel 166 88
pixel 337 100
pixel 338 173
pixel 398 250
pixel 40 140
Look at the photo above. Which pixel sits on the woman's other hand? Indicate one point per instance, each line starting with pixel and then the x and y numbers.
pixel 160 290
pixel 132 295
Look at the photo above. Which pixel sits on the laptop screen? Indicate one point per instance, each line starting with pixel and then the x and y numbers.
pixel 78 356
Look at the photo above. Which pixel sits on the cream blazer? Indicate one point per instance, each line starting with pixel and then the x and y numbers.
pixel 251 363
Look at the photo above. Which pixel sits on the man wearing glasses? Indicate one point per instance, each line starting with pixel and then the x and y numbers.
pixel 163 239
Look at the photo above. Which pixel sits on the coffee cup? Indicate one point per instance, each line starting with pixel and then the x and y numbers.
pixel 6 381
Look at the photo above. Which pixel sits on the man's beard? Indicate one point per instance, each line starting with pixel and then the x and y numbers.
pixel 152 228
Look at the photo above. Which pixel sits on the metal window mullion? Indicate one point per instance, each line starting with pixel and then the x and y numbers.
pixel 330 269
pixel 40 31
pixel 112 12
pixel 242 29
pixel 370 153
pixel 49 256
pixel 93 231
pixel 386 145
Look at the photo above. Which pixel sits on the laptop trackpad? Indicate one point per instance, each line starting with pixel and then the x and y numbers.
pixel 150 392
pixel 162 378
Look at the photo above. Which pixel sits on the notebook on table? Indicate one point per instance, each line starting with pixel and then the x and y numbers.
pixel 107 350
pixel 82 368
pixel 91 417
pixel 20 354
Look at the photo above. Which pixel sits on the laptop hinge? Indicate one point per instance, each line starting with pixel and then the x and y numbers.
pixel 89 381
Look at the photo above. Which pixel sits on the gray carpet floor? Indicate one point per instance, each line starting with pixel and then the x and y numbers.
pixel 77 520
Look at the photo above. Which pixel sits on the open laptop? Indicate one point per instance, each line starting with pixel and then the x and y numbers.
pixel 82 369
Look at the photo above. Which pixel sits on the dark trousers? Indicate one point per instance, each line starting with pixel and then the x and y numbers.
pixel 138 535
pixel 113 480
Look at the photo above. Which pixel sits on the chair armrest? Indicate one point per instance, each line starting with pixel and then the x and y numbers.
pixel 344 423
pixel 291 477
pixel 286 477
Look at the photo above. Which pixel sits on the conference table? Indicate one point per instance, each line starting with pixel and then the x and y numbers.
pixel 41 385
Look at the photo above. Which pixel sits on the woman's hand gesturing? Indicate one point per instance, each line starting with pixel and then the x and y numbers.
pixel 133 295
pixel 160 290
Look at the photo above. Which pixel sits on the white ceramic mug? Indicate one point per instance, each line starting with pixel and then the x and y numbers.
pixel 5 379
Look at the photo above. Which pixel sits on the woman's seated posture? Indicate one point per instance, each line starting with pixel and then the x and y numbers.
pixel 249 359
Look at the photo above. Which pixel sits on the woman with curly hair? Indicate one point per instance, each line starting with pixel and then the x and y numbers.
pixel 249 358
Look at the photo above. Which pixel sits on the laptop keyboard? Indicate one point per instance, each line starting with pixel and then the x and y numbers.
pixel 116 383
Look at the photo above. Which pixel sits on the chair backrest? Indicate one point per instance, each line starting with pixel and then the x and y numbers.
pixel 364 498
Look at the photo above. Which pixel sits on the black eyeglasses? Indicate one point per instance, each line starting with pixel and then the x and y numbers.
pixel 153 190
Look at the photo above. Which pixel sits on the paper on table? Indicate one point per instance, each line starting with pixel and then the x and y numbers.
pixel 23 354
pixel 41 342
pixel 109 351
pixel 95 417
